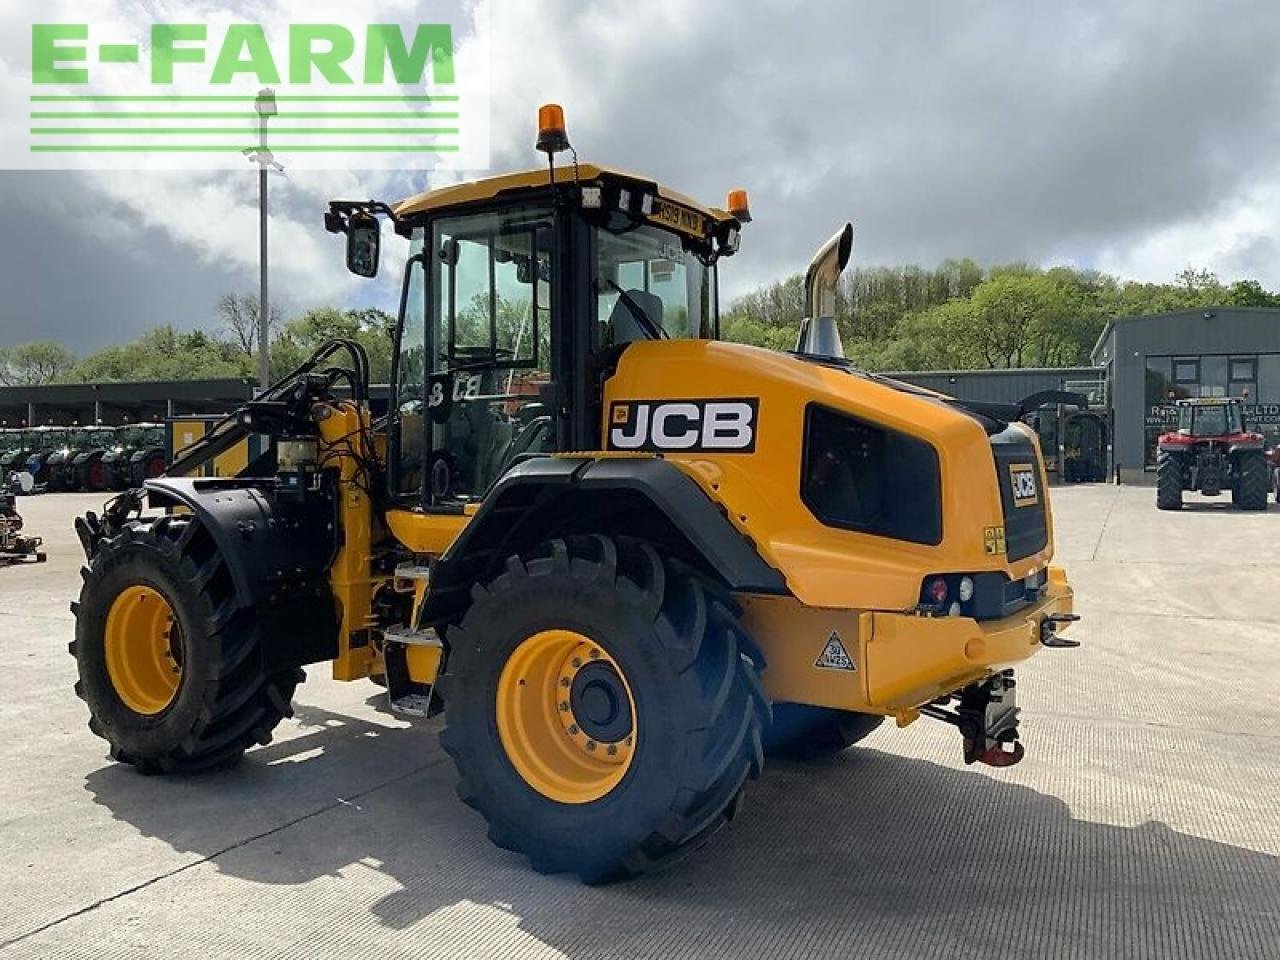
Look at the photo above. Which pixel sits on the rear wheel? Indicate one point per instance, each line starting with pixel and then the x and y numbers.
pixel 1251 481
pixel 802 732
pixel 604 708
pixel 169 662
pixel 1168 481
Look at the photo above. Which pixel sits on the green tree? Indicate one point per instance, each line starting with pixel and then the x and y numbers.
pixel 33 364
pixel 373 329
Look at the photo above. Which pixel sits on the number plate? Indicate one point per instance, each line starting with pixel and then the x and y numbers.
pixel 679 218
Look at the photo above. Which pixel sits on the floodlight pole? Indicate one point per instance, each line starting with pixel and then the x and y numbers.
pixel 265 105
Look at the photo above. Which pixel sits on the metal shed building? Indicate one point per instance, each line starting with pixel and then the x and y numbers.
pixel 1153 360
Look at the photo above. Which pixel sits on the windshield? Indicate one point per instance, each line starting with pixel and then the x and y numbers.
pixel 1209 420
pixel 10 441
pixel 131 437
pixel 650 285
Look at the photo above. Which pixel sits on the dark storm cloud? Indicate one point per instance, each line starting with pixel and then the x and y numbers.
pixel 1135 137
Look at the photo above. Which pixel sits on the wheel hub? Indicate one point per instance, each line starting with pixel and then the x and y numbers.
pixel 143 652
pixel 598 702
pixel 566 716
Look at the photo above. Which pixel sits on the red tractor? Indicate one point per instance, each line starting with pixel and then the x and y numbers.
pixel 1210 452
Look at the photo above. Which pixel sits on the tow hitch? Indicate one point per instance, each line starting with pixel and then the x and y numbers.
pixel 987 718
pixel 1049 630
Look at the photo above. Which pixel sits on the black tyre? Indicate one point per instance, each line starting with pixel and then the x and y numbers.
pixel 604 708
pixel 1252 483
pixel 169 661
pixel 802 732
pixel 1168 481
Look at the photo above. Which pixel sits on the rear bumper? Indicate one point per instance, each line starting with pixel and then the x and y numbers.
pixel 910 660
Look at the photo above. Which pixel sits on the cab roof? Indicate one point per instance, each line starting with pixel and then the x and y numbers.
pixel 471 191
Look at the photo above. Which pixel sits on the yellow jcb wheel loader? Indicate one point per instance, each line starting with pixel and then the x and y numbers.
pixel 625 558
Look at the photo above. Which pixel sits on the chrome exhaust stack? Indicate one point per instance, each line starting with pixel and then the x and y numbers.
pixel 819 335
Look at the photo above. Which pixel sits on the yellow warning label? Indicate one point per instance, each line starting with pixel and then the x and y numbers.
pixel 993 541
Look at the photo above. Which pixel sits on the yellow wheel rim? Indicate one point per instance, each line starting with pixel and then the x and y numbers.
pixel 141 655
pixel 566 716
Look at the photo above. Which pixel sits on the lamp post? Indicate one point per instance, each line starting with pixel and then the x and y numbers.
pixel 265 105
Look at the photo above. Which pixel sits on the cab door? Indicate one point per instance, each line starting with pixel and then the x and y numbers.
pixel 475 375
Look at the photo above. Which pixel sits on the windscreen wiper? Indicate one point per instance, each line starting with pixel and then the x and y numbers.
pixel 655 332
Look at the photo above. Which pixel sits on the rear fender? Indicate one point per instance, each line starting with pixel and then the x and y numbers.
pixel 278 551
pixel 549 497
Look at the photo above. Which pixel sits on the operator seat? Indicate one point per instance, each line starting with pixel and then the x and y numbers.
pixel 623 325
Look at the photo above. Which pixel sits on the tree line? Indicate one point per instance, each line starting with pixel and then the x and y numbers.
pixel 957 316
pixel 961 316
pixel 228 350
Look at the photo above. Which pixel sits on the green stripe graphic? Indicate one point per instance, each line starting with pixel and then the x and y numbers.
pixel 190 115
pixel 238 131
pixel 229 98
pixel 212 148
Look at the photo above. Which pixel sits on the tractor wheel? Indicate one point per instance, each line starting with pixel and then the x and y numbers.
pixel 92 477
pixel 802 732
pixel 604 708
pixel 169 661
pixel 1251 481
pixel 1168 481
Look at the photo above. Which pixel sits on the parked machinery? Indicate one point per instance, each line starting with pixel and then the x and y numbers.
pixel 45 443
pixel 139 455
pixel 80 466
pixel 15 448
pixel 621 555
pixel 14 547
pixel 1211 451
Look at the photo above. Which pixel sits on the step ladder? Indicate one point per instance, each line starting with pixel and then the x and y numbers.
pixel 406 697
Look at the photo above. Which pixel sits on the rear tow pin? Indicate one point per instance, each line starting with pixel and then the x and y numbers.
pixel 1049 630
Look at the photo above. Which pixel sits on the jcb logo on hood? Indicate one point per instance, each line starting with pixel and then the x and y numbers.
pixel 662 426
pixel 1022 479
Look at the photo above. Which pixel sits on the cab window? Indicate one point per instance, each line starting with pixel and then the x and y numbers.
pixel 490 307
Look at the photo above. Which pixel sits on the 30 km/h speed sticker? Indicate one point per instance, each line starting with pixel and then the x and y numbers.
pixel 834 656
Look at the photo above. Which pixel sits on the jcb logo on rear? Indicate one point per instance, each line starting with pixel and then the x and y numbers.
pixel 706 426
pixel 1022 480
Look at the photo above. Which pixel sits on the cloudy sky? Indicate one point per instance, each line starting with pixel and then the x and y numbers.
pixel 1135 137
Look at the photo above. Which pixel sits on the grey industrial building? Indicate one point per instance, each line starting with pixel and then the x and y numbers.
pixel 1149 362
pixel 1141 365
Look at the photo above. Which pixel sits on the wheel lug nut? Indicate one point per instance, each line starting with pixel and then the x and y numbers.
pixel 564 706
pixel 595 654
pixel 573 729
pixel 591 744
pixel 613 749
pixel 576 661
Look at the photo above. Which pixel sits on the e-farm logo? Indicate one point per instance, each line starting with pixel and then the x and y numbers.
pixel 187 92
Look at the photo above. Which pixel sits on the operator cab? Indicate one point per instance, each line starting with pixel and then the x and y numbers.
pixel 520 293
pixel 1210 419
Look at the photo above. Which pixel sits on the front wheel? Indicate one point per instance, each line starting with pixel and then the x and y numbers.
pixel 169 662
pixel 604 708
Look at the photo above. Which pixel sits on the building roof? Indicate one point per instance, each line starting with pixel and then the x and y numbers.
pixel 1188 312
pixel 487 188
pixel 1010 371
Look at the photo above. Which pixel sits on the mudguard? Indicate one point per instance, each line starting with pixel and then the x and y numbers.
pixel 546 497
pixel 278 550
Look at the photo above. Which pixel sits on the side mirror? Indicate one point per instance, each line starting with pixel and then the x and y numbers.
pixel 364 245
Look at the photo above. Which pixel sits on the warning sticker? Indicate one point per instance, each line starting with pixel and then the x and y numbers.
pixel 834 656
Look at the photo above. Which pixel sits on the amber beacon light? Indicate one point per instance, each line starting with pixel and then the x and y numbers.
pixel 738 206
pixel 552 137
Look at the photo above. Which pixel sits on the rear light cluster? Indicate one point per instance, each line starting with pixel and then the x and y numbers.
pixel 947 594
pixel 983 596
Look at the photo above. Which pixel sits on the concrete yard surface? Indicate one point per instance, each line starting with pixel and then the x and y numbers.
pixel 1144 821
